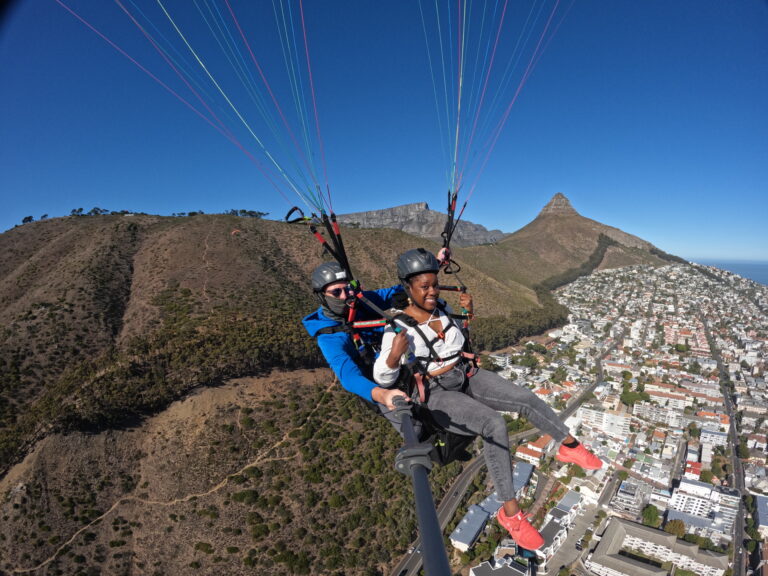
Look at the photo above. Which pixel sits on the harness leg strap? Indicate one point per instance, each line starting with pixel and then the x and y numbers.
pixel 419 378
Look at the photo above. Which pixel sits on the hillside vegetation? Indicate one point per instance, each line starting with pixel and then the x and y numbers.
pixel 285 474
pixel 107 318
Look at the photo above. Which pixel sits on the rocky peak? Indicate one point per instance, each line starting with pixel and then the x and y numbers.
pixel 558 205
pixel 419 220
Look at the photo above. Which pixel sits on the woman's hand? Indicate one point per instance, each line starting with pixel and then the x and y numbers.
pixel 465 300
pixel 399 347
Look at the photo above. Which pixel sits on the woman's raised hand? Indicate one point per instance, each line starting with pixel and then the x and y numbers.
pixel 466 302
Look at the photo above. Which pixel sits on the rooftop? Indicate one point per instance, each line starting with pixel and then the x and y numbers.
pixel 761 503
pixel 607 551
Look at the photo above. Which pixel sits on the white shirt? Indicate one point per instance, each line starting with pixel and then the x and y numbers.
pixel 452 342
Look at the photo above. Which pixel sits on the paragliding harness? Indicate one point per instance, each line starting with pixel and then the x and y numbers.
pixel 367 350
pixel 415 381
pixel 447 446
pixel 414 378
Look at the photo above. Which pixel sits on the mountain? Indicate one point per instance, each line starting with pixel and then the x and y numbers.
pixel 559 245
pixel 419 220
pixel 163 411
pixel 554 248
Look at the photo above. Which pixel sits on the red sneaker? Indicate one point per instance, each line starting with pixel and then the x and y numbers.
pixel 525 535
pixel 580 456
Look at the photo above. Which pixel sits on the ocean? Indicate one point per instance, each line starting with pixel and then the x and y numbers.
pixel 752 269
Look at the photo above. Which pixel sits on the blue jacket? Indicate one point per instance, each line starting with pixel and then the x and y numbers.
pixel 339 349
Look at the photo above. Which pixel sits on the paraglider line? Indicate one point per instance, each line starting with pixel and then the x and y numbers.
pixel 234 141
pixel 314 101
pixel 523 80
pixel 485 87
pixel 269 88
pixel 174 68
pixel 266 152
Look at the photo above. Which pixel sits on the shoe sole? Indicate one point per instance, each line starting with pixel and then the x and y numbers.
pixel 557 457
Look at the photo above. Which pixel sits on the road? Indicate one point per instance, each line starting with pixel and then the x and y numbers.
pixel 737 472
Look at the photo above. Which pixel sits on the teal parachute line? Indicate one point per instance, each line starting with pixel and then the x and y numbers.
pixel 287 162
pixel 497 131
pixel 165 56
pixel 290 54
pixel 171 91
pixel 269 89
pixel 177 58
pixel 478 53
pixel 314 102
pixel 231 104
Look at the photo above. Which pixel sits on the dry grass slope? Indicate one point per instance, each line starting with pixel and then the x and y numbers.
pixel 110 317
pixel 279 475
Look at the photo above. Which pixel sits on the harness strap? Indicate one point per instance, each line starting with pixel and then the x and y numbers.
pixel 419 378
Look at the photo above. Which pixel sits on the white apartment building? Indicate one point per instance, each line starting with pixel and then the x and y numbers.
pixel 690 504
pixel 654 413
pixel 713 509
pixel 675 401
pixel 610 422
pixel 612 556
pixel 713 437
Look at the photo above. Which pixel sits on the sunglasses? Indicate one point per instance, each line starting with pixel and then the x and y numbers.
pixel 337 292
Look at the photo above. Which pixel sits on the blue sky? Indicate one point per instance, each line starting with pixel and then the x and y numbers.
pixel 649 116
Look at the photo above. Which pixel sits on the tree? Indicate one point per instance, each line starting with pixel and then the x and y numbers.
pixel 27 219
pixel 745 365
pixel 743 449
pixel 651 516
pixel 488 364
pixel 706 476
pixel 577 471
pixel 695 367
pixel 76 212
pixel 676 527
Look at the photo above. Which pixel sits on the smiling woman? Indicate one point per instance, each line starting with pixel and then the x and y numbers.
pixel 462 398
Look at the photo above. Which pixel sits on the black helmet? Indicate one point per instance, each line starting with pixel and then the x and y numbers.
pixel 327 273
pixel 415 262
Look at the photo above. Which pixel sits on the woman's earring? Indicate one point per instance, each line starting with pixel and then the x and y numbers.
pixel 410 302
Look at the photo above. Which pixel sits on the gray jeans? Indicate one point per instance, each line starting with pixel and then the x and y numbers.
pixel 475 412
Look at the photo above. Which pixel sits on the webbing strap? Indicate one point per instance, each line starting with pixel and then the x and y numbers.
pixel 418 377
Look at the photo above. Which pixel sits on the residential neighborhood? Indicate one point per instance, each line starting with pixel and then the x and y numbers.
pixel 664 369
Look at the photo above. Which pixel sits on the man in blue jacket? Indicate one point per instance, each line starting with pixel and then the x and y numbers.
pixel 328 324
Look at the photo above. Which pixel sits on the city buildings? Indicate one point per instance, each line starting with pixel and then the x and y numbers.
pixel 678 356
pixel 631 549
